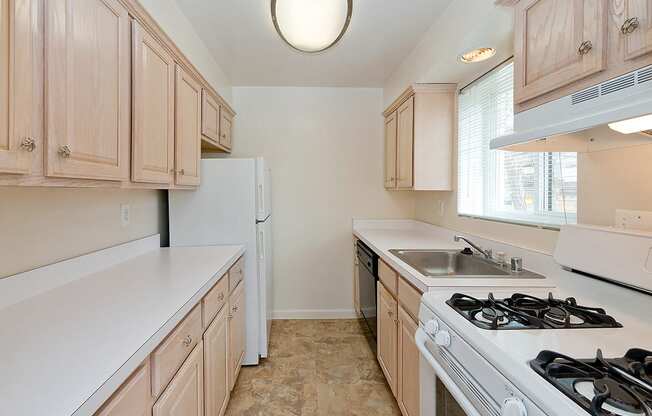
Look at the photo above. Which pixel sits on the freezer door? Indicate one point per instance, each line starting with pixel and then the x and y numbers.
pixel 265 282
pixel 263 190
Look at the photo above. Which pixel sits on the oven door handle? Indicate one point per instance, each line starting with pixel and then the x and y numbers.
pixel 420 339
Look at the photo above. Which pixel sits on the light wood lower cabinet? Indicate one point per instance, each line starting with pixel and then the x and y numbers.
pixel 88 101
pixel 388 336
pixel 185 394
pixel 237 333
pixel 134 398
pixel 153 109
pixel 216 365
pixel 408 365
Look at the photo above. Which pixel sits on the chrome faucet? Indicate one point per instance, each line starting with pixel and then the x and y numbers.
pixel 486 253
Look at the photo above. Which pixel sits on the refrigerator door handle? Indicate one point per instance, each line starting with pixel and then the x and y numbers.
pixel 261 244
pixel 261 200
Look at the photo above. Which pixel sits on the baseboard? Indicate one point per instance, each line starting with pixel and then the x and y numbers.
pixel 314 314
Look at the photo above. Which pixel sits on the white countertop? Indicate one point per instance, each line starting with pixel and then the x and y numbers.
pixel 66 350
pixel 384 235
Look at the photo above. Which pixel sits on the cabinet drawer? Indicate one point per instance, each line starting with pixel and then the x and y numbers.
pixel 409 297
pixel 134 397
pixel 214 300
pixel 388 277
pixel 236 274
pixel 170 354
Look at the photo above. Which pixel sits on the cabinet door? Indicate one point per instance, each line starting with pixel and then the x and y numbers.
pixel 390 151
pixel 88 89
pixel 184 395
pixel 236 333
pixel 210 118
pixel 226 128
pixel 153 101
pixel 188 129
pixel 387 336
pixel 134 396
pixel 19 50
pixel 405 145
pixel 408 365
pixel 637 28
pixel 216 365
pixel 557 42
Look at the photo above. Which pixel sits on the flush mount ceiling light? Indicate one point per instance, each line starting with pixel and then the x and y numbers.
pixel 633 125
pixel 477 55
pixel 311 26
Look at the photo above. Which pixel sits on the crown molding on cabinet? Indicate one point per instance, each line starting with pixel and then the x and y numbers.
pixel 138 13
pixel 418 88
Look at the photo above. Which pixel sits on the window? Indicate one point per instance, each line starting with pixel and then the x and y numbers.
pixel 531 188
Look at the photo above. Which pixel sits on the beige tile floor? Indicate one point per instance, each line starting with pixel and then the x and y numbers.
pixel 315 368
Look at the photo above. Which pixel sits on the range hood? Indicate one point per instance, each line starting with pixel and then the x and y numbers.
pixel 561 125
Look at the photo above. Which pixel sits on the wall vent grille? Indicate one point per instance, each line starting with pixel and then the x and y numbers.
pixel 468 383
pixel 618 84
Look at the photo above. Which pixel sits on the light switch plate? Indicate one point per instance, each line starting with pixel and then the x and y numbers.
pixel 125 214
pixel 633 220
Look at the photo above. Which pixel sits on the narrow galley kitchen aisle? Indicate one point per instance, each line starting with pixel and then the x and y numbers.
pixel 315 368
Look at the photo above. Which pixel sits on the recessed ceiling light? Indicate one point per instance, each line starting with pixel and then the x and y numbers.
pixel 633 125
pixel 477 55
pixel 311 26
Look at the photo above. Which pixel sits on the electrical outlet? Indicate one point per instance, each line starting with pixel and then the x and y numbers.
pixel 442 208
pixel 125 214
pixel 634 220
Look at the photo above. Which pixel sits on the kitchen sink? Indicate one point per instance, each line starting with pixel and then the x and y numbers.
pixel 452 263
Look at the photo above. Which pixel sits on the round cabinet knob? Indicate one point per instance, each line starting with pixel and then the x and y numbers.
pixel 443 339
pixel 513 406
pixel 432 326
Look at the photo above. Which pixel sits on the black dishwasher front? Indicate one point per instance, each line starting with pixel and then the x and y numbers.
pixel 367 278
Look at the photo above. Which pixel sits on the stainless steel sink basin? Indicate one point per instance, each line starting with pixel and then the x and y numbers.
pixel 452 263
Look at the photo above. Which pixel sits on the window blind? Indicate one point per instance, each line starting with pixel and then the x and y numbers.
pixel 532 188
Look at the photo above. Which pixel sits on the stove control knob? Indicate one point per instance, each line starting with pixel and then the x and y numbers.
pixel 432 326
pixel 443 339
pixel 513 406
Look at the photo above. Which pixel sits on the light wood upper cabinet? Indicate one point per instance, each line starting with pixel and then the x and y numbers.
pixel 636 27
pixel 236 333
pixel 185 394
pixel 188 129
pixel 216 365
pixel 408 365
pixel 88 70
pixel 226 128
pixel 405 145
pixel 419 128
pixel 153 109
pixel 19 86
pixel 134 396
pixel 210 118
pixel 388 337
pixel 390 151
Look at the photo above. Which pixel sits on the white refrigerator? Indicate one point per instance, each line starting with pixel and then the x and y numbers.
pixel 233 206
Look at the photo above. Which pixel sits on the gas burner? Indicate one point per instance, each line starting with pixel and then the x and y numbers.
pixel 521 311
pixel 601 386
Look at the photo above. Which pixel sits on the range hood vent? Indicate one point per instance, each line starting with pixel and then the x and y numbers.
pixel 617 99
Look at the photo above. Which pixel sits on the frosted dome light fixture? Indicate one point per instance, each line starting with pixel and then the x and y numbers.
pixel 311 26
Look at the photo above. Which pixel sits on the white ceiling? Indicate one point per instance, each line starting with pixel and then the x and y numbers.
pixel 242 38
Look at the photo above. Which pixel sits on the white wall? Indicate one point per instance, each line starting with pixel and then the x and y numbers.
pixel 44 225
pixel 463 26
pixel 177 26
pixel 326 153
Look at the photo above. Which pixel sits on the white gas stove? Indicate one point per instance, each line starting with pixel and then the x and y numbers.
pixel 534 352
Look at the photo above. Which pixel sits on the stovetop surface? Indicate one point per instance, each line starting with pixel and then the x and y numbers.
pixel 602 386
pixel 523 311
